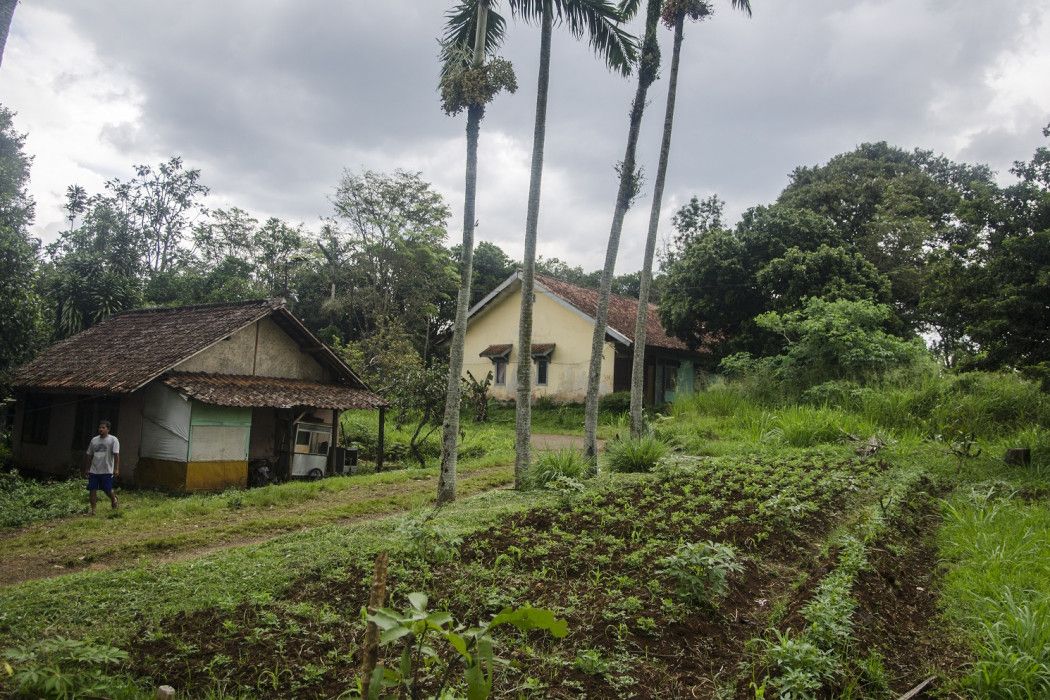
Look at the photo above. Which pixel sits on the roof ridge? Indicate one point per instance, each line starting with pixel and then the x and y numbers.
pixel 273 302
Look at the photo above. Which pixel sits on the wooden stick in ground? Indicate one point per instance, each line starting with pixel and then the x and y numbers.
pixel 370 649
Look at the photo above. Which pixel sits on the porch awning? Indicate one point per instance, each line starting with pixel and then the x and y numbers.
pixel 269 392
pixel 496 352
pixel 542 349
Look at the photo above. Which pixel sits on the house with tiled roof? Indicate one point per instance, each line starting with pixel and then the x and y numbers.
pixel 194 393
pixel 563 326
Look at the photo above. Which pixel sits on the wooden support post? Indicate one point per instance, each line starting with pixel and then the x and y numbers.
pixel 379 444
pixel 370 648
pixel 334 442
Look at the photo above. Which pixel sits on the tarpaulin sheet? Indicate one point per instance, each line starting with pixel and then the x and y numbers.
pixel 165 425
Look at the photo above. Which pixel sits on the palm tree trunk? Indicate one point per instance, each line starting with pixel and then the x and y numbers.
pixel 450 424
pixel 647 70
pixel 645 279
pixel 7 12
pixel 523 414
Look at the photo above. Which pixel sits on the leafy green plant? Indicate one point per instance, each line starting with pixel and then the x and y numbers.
pixel 68 668
pixel 634 455
pixel 476 395
pixel 427 540
pixel 417 629
pixel 701 570
pixel 801 667
pixel 616 403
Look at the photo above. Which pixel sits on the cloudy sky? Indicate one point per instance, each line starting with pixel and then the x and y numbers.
pixel 272 99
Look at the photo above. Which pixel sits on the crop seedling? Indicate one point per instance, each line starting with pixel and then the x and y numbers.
pixel 701 570
pixel 417 629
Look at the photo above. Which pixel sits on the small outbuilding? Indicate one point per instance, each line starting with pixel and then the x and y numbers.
pixel 195 393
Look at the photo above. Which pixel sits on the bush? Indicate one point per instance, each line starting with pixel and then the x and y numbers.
pixel 806 426
pixel 634 455
pixel 551 467
pixel 701 570
pixel 617 402
pixel 68 668
pixel 23 501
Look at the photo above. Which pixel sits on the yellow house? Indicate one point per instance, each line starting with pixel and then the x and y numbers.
pixel 562 328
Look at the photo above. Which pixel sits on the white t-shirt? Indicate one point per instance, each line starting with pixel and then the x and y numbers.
pixel 102 450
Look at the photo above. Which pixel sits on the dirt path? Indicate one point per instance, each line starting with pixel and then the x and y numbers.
pixel 160 535
pixel 70 545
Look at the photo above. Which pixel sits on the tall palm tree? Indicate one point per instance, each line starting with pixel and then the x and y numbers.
pixel 674 15
pixel 648 67
pixel 600 20
pixel 468 82
pixel 7 11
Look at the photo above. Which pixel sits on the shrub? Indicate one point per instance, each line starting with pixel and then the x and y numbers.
pixel 68 668
pixel 701 570
pixel 616 402
pixel 551 467
pixel 805 426
pixel 634 455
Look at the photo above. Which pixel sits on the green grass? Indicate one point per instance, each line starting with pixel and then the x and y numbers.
pixel 549 468
pixel 23 501
pixel 998 587
pixel 633 455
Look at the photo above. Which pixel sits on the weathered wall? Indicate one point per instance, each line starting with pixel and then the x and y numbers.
pixel 260 349
pixel 262 441
pixel 552 323
pixel 130 434
pixel 57 456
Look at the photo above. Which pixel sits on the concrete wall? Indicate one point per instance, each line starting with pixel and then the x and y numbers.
pixel 552 322
pixel 262 349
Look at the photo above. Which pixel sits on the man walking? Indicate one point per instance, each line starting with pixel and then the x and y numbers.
pixel 101 464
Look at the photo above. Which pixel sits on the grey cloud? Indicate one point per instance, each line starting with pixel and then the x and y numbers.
pixel 273 100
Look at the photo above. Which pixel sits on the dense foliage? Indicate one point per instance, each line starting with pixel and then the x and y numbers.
pixel 947 253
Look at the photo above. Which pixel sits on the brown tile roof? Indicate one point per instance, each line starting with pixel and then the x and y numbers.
pixel 269 392
pixel 622 312
pixel 542 349
pixel 496 351
pixel 129 349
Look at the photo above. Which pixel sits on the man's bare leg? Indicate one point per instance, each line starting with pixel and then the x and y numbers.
pixel 93 498
pixel 112 499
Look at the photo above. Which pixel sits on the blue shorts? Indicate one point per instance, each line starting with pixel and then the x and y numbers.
pixel 102 482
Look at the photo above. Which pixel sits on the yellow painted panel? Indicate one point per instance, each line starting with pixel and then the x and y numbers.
pixel 215 476
pixel 552 322
pixel 160 474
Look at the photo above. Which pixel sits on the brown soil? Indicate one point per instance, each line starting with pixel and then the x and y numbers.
pixel 898 615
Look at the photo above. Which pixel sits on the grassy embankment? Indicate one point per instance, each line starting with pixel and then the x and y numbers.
pixel 832 585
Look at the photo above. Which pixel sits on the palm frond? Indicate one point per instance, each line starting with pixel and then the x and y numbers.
pixel 461 25
pixel 601 22
pixel 629 8
pixel 743 6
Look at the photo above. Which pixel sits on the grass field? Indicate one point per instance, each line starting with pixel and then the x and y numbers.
pixel 849 550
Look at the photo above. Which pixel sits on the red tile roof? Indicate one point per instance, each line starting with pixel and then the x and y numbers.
pixel 269 392
pixel 496 350
pixel 622 312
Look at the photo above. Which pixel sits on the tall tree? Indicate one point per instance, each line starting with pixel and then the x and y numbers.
pixel 600 20
pixel 7 12
pixel 21 308
pixel 674 15
pixel 648 68
pixel 468 82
